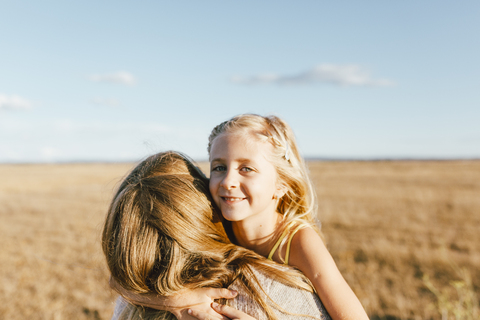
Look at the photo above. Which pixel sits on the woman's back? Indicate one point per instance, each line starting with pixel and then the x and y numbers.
pixel 288 303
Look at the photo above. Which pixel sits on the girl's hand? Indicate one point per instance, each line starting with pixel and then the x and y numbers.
pixel 201 299
pixel 229 312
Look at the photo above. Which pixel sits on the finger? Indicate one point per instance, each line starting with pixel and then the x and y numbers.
pixel 218 293
pixel 204 315
pixel 230 312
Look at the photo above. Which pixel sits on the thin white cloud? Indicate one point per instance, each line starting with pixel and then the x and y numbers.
pixel 28 140
pixel 340 75
pixel 68 126
pixel 13 102
pixel 105 102
pixel 49 153
pixel 120 77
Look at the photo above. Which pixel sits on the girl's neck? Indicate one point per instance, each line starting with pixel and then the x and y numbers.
pixel 257 236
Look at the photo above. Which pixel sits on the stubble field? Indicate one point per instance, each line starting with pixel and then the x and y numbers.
pixel 405 234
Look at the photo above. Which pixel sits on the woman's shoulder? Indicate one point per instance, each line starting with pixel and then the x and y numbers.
pixel 286 301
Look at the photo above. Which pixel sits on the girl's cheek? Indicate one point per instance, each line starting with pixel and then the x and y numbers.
pixel 211 188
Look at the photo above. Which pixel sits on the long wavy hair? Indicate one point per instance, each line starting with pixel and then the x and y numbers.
pixel 162 235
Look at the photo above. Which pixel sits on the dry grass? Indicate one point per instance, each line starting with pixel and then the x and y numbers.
pixel 51 261
pixel 388 224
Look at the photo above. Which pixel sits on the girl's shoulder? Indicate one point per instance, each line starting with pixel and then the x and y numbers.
pixel 305 239
pixel 310 254
pixel 293 234
pixel 304 235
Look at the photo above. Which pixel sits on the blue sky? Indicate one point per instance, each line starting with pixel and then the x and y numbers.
pixel 119 80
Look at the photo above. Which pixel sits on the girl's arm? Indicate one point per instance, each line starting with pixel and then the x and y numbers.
pixel 309 254
pixel 200 299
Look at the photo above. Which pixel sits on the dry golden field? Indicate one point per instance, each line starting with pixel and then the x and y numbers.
pixel 399 232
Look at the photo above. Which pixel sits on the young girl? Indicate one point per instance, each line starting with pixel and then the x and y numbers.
pixel 259 181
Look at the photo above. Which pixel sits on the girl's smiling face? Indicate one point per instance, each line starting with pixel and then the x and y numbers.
pixel 243 182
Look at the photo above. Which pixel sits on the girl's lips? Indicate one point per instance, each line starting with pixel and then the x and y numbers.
pixel 232 199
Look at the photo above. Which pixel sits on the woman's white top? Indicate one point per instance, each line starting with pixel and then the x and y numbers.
pixel 288 303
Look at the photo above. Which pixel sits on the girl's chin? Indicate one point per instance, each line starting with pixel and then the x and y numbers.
pixel 233 216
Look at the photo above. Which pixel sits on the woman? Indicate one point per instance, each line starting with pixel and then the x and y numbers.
pixel 161 237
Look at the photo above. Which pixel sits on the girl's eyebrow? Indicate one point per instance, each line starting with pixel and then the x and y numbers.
pixel 242 160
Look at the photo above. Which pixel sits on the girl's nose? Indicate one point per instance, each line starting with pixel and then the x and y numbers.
pixel 230 180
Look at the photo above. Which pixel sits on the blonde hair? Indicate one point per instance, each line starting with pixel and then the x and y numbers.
pixel 161 235
pixel 299 202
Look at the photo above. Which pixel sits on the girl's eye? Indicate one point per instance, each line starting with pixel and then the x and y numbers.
pixel 218 168
pixel 246 169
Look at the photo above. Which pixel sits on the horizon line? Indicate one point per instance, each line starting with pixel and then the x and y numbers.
pixel 308 159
